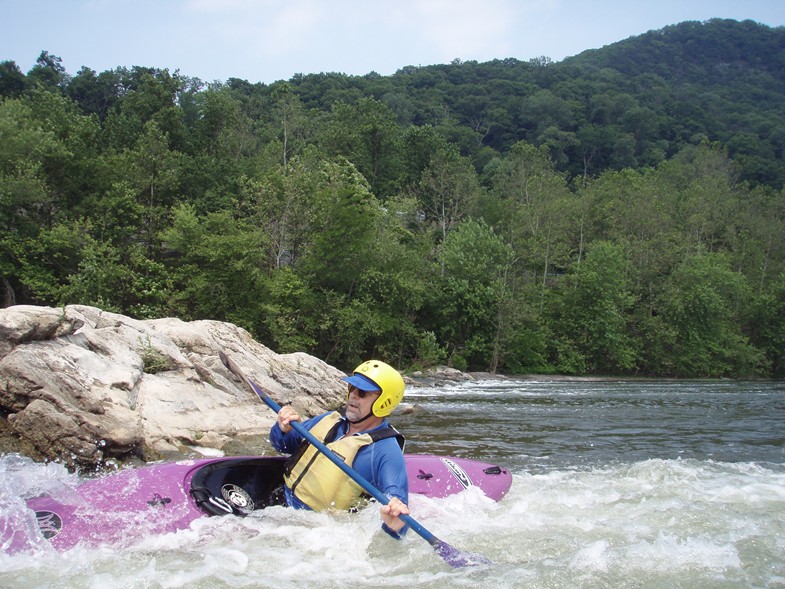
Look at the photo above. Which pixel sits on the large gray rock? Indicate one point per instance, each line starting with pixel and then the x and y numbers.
pixel 81 385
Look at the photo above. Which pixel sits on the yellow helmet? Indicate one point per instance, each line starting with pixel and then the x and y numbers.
pixel 375 375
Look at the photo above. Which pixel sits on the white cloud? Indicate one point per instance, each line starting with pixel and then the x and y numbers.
pixel 271 27
pixel 294 27
pixel 233 6
pixel 461 28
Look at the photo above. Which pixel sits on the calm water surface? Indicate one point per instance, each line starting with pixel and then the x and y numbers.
pixel 542 426
pixel 637 484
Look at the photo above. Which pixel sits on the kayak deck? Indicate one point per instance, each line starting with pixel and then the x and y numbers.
pixel 161 498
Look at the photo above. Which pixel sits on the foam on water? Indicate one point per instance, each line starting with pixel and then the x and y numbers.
pixel 616 485
pixel 655 523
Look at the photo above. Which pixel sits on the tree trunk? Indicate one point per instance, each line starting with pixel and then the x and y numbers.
pixel 9 296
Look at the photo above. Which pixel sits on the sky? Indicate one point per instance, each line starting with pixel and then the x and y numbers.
pixel 269 40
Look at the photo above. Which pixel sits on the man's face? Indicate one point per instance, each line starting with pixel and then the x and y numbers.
pixel 360 403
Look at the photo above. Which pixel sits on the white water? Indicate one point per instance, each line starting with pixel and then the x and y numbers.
pixel 658 522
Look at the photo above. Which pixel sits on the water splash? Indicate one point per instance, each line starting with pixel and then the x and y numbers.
pixel 612 520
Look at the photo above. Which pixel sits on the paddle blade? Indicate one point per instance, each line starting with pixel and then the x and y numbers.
pixel 457 559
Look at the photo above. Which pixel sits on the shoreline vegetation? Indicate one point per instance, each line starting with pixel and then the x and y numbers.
pixel 619 212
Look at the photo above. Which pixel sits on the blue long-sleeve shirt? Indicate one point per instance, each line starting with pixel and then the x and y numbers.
pixel 382 463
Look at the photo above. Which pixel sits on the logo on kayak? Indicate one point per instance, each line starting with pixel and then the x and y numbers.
pixel 238 497
pixel 458 472
pixel 158 501
pixel 49 523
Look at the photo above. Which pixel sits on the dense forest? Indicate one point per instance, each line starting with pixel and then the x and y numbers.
pixel 618 212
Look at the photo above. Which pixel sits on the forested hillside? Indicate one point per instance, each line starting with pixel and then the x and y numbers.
pixel 619 212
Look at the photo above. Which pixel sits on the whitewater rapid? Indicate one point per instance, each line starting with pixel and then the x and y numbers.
pixel 615 485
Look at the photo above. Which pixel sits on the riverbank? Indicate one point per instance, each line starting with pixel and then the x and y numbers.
pixel 444 376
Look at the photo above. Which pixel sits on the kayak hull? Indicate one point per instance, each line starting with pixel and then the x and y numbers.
pixel 166 497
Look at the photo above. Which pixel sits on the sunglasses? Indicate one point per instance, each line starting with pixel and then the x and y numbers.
pixel 361 393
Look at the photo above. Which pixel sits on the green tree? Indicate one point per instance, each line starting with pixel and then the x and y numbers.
pixel 48 72
pixel 216 267
pixel 420 145
pixel 472 310
pixel 343 227
pixel 538 212
pixel 292 120
pixel 280 204
pixel 448 191
pixel 147 94
pixel 26 200
pixel 591 315
pixel 95 93
pixel 121 280
pixel 153 170
pixel 768 327
pixel 394 283
pixel 703 305
pixel 72 171
pixel 219 113
pixel 367 135
pixel 13 82
pixel 756 240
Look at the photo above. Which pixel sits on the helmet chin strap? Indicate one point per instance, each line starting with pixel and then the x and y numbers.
pixel 356 421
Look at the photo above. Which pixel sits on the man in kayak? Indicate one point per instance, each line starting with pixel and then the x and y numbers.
pixel 362 437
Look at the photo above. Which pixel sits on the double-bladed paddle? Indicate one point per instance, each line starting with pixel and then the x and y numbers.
pixel 450 554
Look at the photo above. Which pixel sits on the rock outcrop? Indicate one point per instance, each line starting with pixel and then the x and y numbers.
pixel 82 385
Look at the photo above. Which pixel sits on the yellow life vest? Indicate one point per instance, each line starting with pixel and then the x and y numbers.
pixel 319 483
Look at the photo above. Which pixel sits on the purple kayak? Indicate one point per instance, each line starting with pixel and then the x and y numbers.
pixel 161 498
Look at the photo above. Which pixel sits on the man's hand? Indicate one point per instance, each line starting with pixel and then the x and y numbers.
pixel 391 511
pixel 286 415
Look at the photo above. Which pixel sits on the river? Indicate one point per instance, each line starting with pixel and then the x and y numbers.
pixel 616 485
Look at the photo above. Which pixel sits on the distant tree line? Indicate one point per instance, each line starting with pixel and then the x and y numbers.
pixel 620 212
